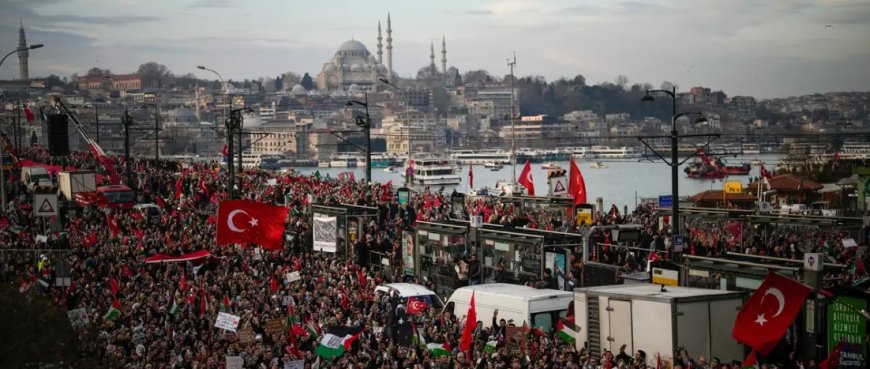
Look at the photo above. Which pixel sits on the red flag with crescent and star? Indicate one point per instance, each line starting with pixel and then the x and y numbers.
pixel 769 312
pixel 252 222
pixel 415 306
pixel 526 179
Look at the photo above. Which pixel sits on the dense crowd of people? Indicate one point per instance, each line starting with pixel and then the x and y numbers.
pixel 167 311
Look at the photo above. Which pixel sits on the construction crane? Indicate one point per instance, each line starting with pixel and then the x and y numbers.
pixel 95 148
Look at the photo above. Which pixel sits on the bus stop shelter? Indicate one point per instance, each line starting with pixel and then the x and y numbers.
pixel 524 254
pixel 434 256
pixel 338 227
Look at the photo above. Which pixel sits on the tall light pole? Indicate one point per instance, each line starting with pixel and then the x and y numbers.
pixel 3 142
pixel 407 123
pixel 224 113
pixel 366 124
pixel 675 161
pixel 233 123
pixel 126 121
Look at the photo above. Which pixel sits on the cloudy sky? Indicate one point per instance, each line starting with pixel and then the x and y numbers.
pixel 764 48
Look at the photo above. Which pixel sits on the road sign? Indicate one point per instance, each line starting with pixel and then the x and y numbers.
pixel 44 205
pixel 666 201
pixel 678 240
pixel 558 186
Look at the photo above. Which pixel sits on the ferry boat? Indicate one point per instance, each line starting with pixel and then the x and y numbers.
pixel 433 170
pixel 606 152
pixel 506 188
pixel 550 166
pixel 598 165
pixel 323 164
pixel 481 156
pixel 344 161
pixel 491 165
pixel 382 160
pixel 750 149
pixel 854 150
pixel 250 160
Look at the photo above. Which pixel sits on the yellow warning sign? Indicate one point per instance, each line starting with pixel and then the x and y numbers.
pixel 733 187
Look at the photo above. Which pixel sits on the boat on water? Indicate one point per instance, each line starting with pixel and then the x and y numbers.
pixel 550 166
pixel 598 165
pixel 390 169
pixel 606 152
pixel 750 149
pixel 506 188
pixel 491 165
pixel 345 161
pixel 434 170
pixel 481 156
pixel 714 167
pixel 383 160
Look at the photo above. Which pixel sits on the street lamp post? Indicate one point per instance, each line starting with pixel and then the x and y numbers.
pixel 407 123
pixel 2 142
pixel 366 124
pixel 674 163
pixel 127 121
pixel 224 103
pixel 156 130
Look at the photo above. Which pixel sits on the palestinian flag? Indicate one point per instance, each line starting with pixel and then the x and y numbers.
pixel 336 343
pixel 313 328
pixel 114 310
pixel 565 334
pixel 490 346
pixel 438 349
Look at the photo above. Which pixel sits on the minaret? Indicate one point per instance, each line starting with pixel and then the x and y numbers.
pixel 432 58
pixel 380 45
pixel 389 49
pixel 443 55
pixel 23 54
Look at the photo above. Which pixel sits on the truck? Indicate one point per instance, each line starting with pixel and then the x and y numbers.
pixel 658 319
pixel 36 178
pixel 539 308
pixel 72 183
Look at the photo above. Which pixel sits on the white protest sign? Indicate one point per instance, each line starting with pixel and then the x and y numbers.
pixel 235 362
pixel 293 276
pixel 227 321
pixel 325 234
pixel 296 364
pixel 77 317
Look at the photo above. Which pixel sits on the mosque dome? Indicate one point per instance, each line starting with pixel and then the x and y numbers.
pixel 352 45
pixel 298 90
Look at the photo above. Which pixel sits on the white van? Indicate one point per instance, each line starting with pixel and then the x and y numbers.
pixel 406 290
pixel 540 308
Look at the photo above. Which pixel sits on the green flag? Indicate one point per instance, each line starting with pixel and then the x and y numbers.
pixel 317 174
pixel 112 313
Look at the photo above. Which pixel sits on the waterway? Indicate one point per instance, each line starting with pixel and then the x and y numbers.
pixel 622 182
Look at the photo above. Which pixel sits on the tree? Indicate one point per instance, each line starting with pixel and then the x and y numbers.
pixel 96 72
pixel 476 76
pixel 52 81
pixel 307 82
pixel 621 81
pixel 154 75
pixel 667 85
pixel 579 80
pixel 289 79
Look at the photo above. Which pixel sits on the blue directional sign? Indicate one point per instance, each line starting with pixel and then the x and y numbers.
pixel 678 240
pixel 666 201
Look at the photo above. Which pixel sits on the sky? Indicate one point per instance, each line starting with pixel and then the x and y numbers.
pixel 761 48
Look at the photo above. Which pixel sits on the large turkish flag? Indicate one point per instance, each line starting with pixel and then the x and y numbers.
pixel 249 221
pixel 769 312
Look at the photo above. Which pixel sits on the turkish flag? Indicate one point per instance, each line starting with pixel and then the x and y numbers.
pixel 249 221
pixel 576 185
pixel 113 225
pixel 29 115
pixel 416 306
pixel 526 179
pixel 769 312
pixel 471 320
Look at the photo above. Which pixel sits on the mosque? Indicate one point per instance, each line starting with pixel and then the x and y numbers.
pixel 354 69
